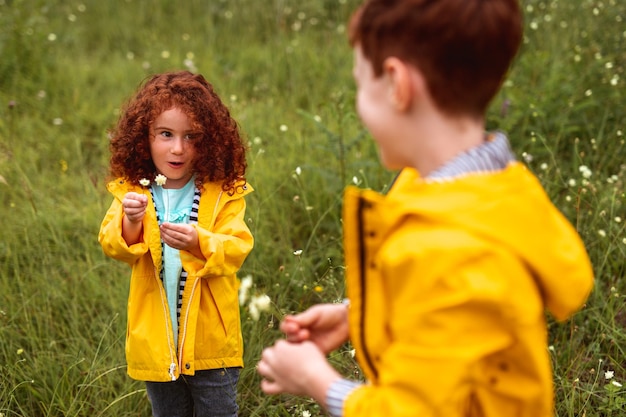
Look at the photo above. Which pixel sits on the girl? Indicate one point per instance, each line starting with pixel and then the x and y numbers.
pixel 177 218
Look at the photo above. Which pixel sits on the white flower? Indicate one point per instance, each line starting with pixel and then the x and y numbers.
pixel 585 171
pixel 601 233
pixel 144 181
pixel 257 304
pixel 160 179
pixel 246 284
pixel 298 170
pixel 262 302
pixel 609 375
pixel 297 252
pixel 254 312
pixel 617 384
pixel 306 413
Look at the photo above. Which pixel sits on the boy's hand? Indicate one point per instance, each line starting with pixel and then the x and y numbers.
pixel 296 368
pixel 134 206
pixel 326 325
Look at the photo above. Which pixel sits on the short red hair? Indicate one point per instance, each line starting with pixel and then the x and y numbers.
pixel 220 152
pixel 462 47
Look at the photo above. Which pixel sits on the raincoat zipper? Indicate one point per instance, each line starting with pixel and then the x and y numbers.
pixel 172 368
pixel 362 268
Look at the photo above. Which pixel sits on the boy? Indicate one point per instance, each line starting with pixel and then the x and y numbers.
pixel 450 273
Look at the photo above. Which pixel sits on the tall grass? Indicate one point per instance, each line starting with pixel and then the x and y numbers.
pixel 283 67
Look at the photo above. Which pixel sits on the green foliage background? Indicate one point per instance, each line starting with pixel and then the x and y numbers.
pixel 284 69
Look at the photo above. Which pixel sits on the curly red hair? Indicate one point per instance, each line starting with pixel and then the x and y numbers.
pixel 221 152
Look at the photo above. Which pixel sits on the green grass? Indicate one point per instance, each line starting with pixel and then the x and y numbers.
pixel 284 69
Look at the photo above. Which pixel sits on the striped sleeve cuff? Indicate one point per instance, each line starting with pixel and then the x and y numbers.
pixel 337 393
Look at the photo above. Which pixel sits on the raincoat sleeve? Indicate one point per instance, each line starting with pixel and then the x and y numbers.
pixel 447 311
pixel 111 240
pixel 225 246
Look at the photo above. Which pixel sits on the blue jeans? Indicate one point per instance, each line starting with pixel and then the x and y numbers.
pixel 209 393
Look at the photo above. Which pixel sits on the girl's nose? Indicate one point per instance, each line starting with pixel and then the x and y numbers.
pixel 177 146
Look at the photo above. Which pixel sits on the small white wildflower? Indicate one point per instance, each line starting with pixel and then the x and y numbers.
pixel 571 182
pixel 57 121
pixel 257 140
pixel 588 93
pixel 283 128
pixel 609 375
pixel 355 180
pixel 298 170
pixel 601 233
pixel 568 198
pixel 543 166
pixel 527 157
pixel 551 348
pixel 160 180
pixel 618 219
pixel 614 80
pixel 165 54
pixel 254 312
pixel 297 252
pixel 144 181
pixel 306 413
pixel 52 37
pixel 20 351
pixel 585 171
pixel 317 118
pixel 246 284
pixel 617 384
pixel 353 352
pixel 262 302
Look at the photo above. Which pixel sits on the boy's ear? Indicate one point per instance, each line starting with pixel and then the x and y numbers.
pixel 401 88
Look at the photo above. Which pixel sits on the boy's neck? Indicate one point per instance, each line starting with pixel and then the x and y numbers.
pixel 441 138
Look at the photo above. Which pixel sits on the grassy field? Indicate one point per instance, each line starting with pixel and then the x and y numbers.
pixel 283 67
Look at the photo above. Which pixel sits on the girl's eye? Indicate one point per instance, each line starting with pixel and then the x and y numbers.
pixel 166 134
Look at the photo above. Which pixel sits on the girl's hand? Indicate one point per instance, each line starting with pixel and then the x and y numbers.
pixel 181 236
pixel 134 206
pixel 326 325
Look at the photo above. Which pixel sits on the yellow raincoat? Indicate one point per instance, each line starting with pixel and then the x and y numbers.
pixel 210 329
pixel 448 283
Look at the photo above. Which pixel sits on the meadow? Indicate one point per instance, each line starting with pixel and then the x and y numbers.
pixel 284 69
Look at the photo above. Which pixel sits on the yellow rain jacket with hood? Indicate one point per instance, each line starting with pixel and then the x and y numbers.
pixel 448 283
pixel 210 328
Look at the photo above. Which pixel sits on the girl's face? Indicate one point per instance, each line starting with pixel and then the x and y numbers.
pixel 172 147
